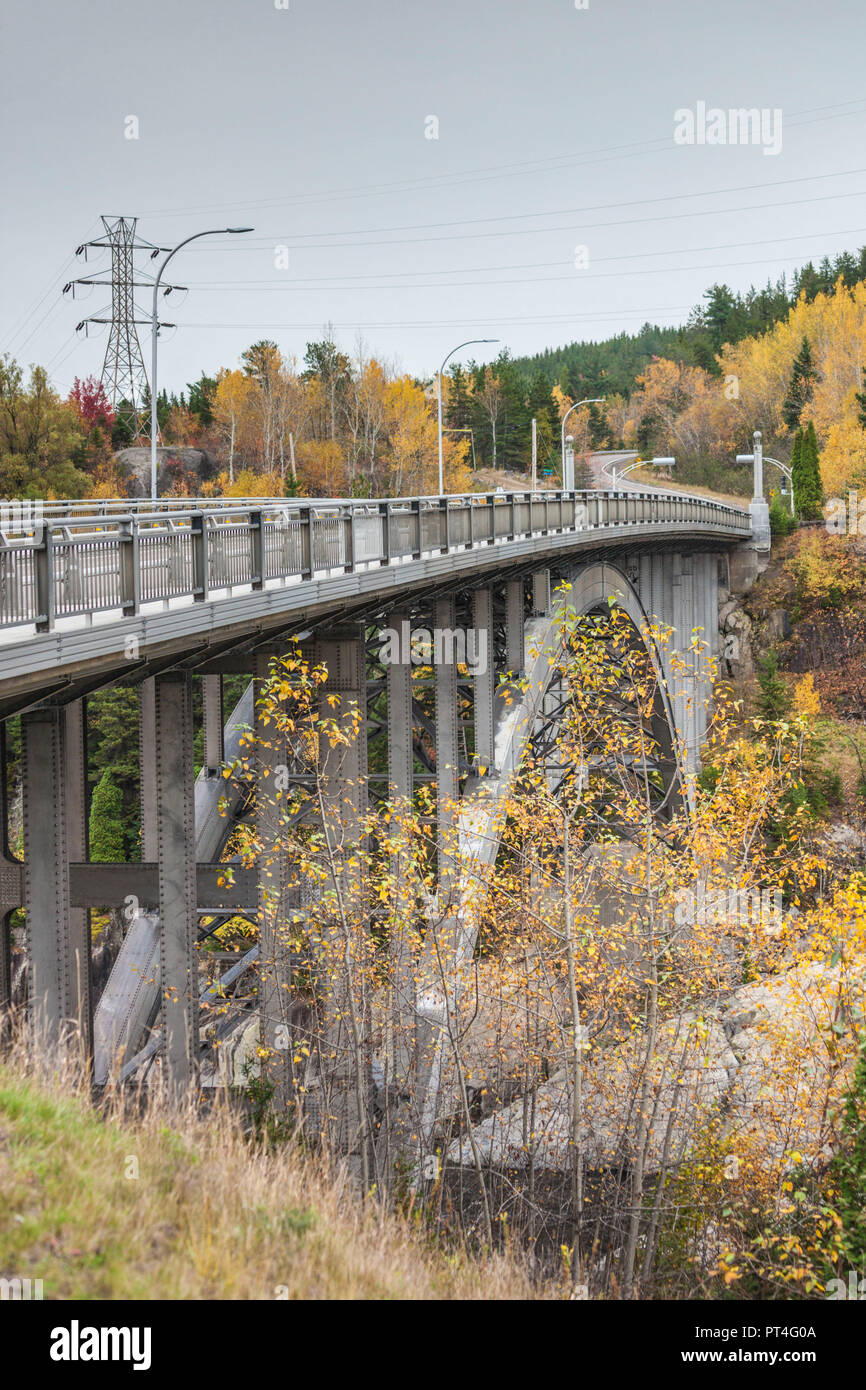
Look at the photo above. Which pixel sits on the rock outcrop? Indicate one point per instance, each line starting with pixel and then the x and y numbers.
pixel 763 1063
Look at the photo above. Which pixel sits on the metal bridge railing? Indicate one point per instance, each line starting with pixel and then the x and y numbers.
pixel 59 567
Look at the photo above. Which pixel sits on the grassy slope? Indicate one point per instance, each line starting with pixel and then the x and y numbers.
pixel 650 478
pixel 206 1217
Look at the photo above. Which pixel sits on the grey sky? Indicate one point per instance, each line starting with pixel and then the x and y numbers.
pixel 309 123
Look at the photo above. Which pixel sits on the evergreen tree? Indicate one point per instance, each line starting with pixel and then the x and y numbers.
pixel 599 435
pixel 201 398
pixel 811 490
pixel 860 398
pixel 796 473
pixel 849 1169
pixel 773 701
pixel 107 841
pixel 800 389
pixel 112 746
pixel 458 398
pixel 123 429
pixel 722 315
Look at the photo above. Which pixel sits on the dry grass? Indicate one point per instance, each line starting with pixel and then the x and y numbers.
pixel 650 477
pixel 167 1205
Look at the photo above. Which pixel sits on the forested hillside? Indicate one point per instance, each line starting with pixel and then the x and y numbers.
pixel 775 359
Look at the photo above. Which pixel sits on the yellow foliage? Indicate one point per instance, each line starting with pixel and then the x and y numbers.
pixel 822 566
pixel 835 325
pixel 806 700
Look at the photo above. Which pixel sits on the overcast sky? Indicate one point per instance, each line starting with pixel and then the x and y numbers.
pixel 555 131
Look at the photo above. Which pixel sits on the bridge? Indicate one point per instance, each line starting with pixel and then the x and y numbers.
pixel 157 598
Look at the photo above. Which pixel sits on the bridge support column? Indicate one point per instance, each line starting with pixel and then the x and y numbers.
pixel 398 1025
pixel 75 789
pixel 54 964
pixel 147 769
pixel 178 919
pixel 447 747
pixel 706 611
pixel 9 880
pixel 685 698
pixel 676 678
pixel 345 767
pixel 541 601
pixel 398 678
pixel 275 958
pixel 214 735
pixel 659 598
pixel 345 1040
pixel 645 585
pixel 514 626
pixel 485 678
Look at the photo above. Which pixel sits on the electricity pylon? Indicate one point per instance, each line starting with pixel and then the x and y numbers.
pixel 123 373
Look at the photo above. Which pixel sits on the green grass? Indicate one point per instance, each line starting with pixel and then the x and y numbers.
pixel 181 1206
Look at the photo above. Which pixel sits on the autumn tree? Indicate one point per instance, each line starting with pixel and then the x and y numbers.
pixel 231 410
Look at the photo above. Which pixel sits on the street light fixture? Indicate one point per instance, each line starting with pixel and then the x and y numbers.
pixel 787 475
pixel 154 421
pixel 568 484
pixel 469 342
pixel 758 509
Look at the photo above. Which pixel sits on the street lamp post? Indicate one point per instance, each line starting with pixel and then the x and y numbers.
pixel 468 343
pixel 758 509
pixel 154 421
pixel 568 483
pixel 759 458
pixel 786 474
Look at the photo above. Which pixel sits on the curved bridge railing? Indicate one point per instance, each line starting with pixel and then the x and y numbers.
pixel 62 566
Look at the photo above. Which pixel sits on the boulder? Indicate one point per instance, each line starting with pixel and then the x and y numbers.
pixel 768 1063
pixel 777 625
pixel 176 463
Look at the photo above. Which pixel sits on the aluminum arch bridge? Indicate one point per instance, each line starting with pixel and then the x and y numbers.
pixel 160 599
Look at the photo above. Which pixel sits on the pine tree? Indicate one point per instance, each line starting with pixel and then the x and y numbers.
pixel 811 490
pixel 849 1169
pixel 800 389
pixel 796 469
pixel 774 701
pixel 107 844
pixel 860 398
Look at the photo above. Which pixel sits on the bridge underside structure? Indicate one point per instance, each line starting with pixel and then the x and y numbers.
pixel 159 601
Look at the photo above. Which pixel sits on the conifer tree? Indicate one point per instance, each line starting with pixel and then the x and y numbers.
pixel 796 469
pixel 849 1168
pixel 812 493
pixel 106 822
pixel 860 398
pixel 800 389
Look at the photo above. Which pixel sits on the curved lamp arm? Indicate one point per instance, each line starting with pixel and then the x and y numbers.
pixel 468 343
pixel 154 328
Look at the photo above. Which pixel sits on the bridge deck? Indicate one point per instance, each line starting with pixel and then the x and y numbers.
pixel 101 593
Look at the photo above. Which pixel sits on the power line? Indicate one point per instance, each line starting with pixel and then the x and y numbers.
pixel 762 186
pixel 590 226
pixel 269 285
pixel 484 173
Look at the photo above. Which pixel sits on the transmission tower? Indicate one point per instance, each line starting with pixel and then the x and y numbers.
pixel 123 373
